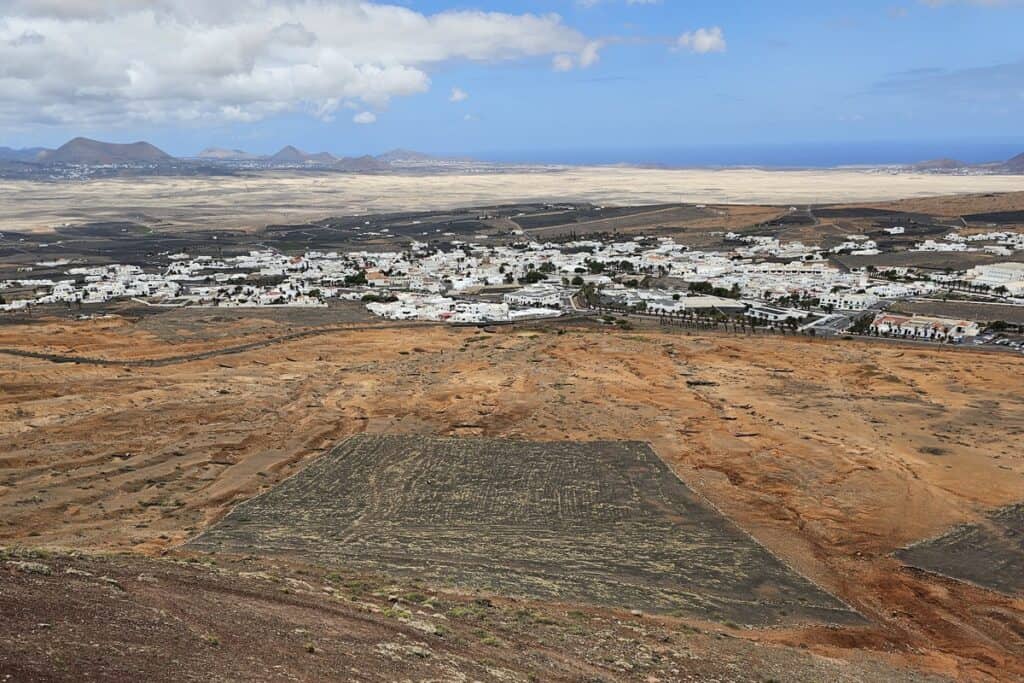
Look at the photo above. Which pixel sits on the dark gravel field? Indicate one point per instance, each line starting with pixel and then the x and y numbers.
pixel 602 523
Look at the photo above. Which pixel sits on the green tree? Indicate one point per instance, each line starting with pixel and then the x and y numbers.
pixel 862 325
pixel 532 277
pixel 357 279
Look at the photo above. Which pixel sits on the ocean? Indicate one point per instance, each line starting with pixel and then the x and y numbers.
pixel 803 155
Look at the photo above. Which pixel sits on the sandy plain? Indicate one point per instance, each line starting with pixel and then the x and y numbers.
pixel 255 200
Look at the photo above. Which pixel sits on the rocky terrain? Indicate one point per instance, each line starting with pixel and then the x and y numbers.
pixel 191 619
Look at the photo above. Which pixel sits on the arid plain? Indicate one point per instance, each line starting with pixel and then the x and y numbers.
pixel 255 200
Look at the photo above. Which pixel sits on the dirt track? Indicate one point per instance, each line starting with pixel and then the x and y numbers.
pixel 832 454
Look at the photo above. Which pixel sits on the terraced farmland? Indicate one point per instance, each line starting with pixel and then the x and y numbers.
pixel 601 522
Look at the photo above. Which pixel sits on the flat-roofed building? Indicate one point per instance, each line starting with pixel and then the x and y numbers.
pixel 849 301
pixel 995 275
pixel 537 296
pixel 924 327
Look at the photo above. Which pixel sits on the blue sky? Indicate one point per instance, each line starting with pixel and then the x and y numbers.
pixel 780 73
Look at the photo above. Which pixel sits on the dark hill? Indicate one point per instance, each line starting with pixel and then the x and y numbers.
pixel 31 154
pixel 1015 165
pixel 404 155
pixel 220 154
pixel 294 155
pixel 86 151
pixel 940 165
pixel 363 163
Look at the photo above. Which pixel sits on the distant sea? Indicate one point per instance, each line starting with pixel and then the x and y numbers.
pixel 807 155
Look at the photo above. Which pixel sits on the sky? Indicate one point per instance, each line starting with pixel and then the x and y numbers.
pixel 562 80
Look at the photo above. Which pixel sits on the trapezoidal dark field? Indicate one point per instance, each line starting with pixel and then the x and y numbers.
pixel 601 522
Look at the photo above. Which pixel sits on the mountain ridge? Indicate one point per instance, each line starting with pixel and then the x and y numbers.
pixel 222 154
pixel 291 154
pixel 86 151
pixel 28 154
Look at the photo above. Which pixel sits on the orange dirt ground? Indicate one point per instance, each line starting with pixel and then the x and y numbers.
pixel 832 454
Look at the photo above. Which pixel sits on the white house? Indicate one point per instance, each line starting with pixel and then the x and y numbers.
pixel 924 327
pixel 845 300
pixel 536 296
pixel 775 314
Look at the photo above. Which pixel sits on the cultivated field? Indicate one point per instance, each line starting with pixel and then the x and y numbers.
pixel 598 522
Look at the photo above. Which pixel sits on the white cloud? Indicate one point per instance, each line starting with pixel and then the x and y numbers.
pixel 365 117
pixel 703 40
pixel 590 54
pixel 458 95
pixel 563 63
pixel 587 57
pixel 106 62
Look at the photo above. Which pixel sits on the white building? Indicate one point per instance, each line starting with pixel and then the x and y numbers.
pixel 536 296
pixel 775 314
pixel 995 275
pixel 845 300
pixel 924 327
pixel 477 312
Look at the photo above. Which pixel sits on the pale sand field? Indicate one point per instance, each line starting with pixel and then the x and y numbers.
pixel 255 201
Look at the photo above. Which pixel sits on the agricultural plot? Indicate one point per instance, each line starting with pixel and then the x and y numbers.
pixel 989 554
pixel 605 522
pixel 1001 217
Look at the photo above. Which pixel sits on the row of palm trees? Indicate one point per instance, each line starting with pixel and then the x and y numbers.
pixel 715 320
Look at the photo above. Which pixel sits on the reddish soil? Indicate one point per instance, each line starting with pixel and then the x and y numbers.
pixel 831 454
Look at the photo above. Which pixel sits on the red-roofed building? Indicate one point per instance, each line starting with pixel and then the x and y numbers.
pixel 923 327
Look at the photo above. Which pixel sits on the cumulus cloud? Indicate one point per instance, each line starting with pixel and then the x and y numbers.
pixel 76 62
pixel 365 117
pixel 458 95
pixel 703 40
